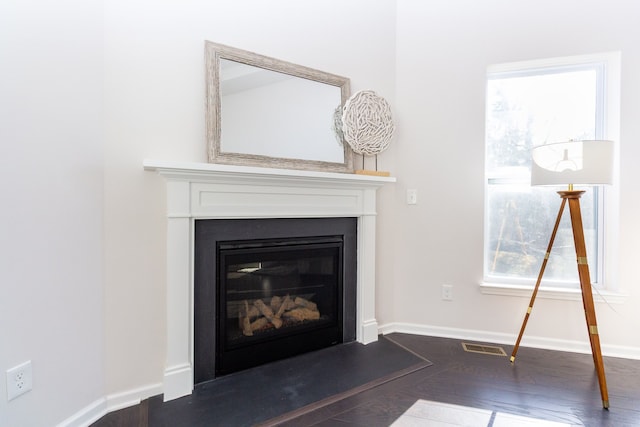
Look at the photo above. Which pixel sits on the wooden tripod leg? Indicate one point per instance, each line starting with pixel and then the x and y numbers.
pixel 535 289
pixel 587 295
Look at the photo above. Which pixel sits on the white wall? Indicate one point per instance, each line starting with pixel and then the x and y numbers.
pixel 444 48
pixel 154 92
pixel 51 191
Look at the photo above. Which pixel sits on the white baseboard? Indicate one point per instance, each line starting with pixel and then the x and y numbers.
pixel 369 332
pixel 178 381
pixel 87 415
pixel 133 397
pixel 113 402
pixel 509 339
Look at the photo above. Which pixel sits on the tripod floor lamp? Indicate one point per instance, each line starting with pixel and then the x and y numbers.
pixel 574 162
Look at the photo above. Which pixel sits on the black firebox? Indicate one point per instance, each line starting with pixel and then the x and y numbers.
pixel 277 298
pixel 269 289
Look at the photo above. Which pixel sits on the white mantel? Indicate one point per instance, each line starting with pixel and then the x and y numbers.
pixel 210 191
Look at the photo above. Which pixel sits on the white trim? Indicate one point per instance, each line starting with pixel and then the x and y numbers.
pixel 133 397
pixel 87 415
pixel 178 380
pixel 569 294
pixel 538 64
pixel 369 332
pixel 186 170
pixel 508 339
pixel 113 402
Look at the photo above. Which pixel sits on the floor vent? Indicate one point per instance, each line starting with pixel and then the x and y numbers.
pixel 484 349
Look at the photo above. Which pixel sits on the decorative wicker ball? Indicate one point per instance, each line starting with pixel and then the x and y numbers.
pixel 366 123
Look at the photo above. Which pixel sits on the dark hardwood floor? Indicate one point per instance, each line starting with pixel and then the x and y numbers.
pixel 542 387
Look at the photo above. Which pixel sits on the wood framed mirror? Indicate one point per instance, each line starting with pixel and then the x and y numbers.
pixel 262 111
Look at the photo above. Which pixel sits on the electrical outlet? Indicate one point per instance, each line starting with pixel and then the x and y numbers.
pixel 412 197
pixel 447 292
pixel 19 380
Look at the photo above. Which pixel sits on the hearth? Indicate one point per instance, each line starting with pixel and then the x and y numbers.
pixel 268 289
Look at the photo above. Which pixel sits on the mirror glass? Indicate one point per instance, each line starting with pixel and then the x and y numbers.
pixel 266 112
pixel 290 117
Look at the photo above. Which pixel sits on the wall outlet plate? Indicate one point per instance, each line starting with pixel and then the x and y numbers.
pixel 19 380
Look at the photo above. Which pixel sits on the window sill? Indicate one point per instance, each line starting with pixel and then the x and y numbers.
pixel 607 297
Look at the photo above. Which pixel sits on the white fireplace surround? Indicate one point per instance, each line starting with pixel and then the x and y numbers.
pixel 211 191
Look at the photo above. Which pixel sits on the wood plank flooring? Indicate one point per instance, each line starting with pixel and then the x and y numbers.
pixel 542 387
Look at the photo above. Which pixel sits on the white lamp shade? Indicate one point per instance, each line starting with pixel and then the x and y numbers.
pixel 573 162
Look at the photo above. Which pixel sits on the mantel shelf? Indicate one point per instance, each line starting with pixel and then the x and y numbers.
pixel 212 171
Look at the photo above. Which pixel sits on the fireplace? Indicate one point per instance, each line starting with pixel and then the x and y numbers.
pixel 268 289
pixel 201 191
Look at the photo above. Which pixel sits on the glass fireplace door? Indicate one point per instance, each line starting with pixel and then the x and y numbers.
pixel 277 297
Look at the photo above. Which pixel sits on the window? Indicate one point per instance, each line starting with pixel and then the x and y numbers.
pixel 529 104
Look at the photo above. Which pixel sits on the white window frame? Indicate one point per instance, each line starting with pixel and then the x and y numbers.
pixel 606 289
